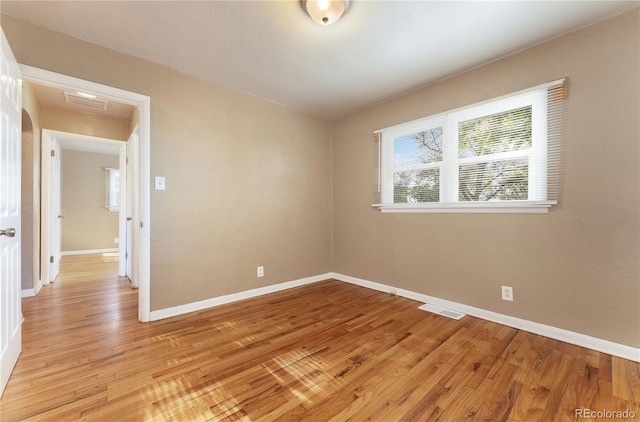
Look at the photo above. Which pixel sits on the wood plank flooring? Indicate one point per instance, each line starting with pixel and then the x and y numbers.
pixel 329 351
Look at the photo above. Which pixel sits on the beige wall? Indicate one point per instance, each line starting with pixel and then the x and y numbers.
pixel 248 181
pixel 87 224
pixel 577 267
pixel 65 120
pixel 30 188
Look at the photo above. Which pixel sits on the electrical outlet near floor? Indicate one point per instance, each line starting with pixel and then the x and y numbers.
pixel 507 293
pixel 116 240
pixel 260 271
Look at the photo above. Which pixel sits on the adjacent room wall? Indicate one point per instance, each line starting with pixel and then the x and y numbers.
pixel 577 267
pixel 87 223
pixel 26 203
pixel 30 188
pixel 248 181
pixel 65 120
pixel 31 191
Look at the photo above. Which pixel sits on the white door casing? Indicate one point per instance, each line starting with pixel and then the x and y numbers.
pixel 55 239
pixel 10 253
pixel 45 208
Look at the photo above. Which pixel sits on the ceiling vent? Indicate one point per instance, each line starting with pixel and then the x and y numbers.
pixel 90 103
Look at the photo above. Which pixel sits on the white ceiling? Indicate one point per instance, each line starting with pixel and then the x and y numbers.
pixel 272 49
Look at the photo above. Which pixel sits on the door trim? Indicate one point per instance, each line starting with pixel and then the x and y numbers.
pixel 143 102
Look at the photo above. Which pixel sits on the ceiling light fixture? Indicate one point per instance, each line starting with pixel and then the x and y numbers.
pixel 325 12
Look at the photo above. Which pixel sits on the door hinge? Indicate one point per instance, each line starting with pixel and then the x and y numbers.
pixel 53 152
pixel 126 255
pixel 126 160
pixel 51 259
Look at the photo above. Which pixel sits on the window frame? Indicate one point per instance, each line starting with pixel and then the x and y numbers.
pixel 112 196
pixel 537 201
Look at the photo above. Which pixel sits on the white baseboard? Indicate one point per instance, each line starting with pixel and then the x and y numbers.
pixel 234 297
pixel 583 340
pixel 32 292
pixel 89 251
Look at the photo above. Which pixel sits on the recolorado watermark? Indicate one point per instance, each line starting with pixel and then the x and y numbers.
pixel 604 414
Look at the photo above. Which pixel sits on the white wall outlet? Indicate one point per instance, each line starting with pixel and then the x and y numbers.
pixel 507 293
pixel 260 271
pixel 160 184
pixel 116 240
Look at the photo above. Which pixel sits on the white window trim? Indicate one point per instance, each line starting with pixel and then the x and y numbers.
pixel 537 181
pixel 521 207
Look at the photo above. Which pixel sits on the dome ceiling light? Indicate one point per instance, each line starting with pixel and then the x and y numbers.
pixel 325 12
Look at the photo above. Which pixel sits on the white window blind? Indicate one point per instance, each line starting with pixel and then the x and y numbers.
pixel 502 155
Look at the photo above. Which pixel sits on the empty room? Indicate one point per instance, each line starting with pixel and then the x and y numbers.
pixel 320 210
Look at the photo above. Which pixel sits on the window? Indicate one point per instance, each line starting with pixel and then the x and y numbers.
pixel 112 189
pixel 496 156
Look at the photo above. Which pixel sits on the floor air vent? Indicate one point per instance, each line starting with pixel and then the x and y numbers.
pixel 441 311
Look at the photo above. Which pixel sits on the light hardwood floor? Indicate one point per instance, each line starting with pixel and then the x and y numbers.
pixel 326 351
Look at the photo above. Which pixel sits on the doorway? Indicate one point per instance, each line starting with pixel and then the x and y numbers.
pixel 85 193
pixel 140 157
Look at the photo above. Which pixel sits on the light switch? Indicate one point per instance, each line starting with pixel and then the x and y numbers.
pixel 159 183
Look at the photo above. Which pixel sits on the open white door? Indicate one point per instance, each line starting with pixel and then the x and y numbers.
pixel 55 239
pixel 122 211
pixel 10 271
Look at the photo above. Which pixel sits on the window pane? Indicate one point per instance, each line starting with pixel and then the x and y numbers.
pixel 418 148
pixel 113 189
pixel 495 181
pixel 501 132
pixel 416 186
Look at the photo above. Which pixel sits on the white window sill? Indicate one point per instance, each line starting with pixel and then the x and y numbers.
pixel 510 207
